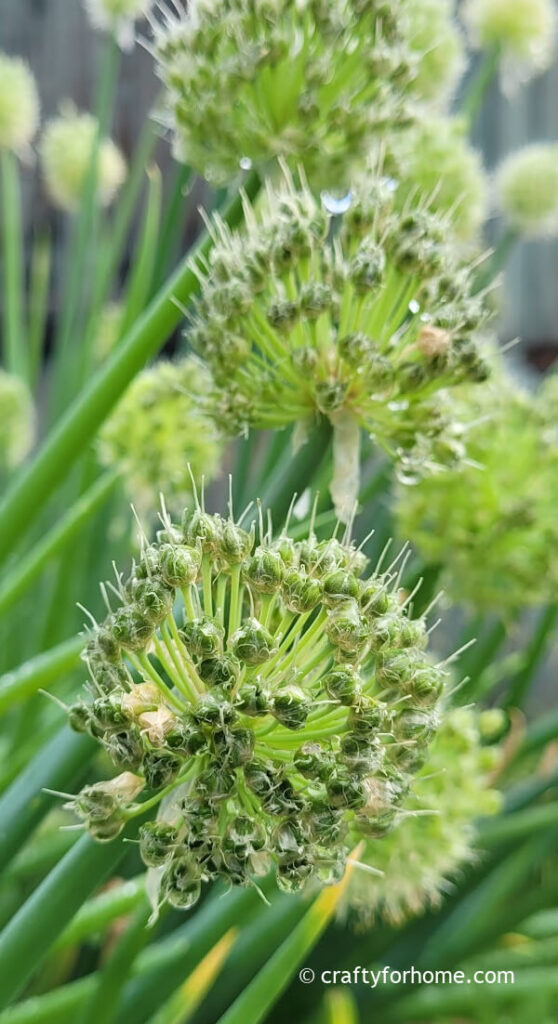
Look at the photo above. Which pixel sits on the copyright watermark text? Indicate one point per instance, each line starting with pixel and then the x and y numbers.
pixel 410 976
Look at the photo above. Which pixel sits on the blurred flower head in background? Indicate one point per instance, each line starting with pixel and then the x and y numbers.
pixel 435 834
pixel 491 522
pixel 314 83
pixel 117 17
pixel 522 32
pixel 437 42
pixel 19 104
pixel 158 431
pixel 435 159
pixel 526 190
pixel 17 420
pixel 66 149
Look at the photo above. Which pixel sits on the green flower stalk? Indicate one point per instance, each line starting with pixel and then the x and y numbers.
pixel 19 104
pixel 360 318
pixel 522 32
pixel 158 435
pixel 260 694
pixel 491 523
pixel 435 835
pixel 66 150
pixel 118 17
pixel 437 44
pixel 248 81
pixel 526 190
pixel 435 158
pixel 17 421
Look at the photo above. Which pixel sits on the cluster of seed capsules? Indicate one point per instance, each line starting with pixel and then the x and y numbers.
pixel 272 702
pixel 370 313
pixel 309 80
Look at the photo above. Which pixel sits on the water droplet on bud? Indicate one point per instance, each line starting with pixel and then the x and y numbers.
pixel 336 202
pixel 245 163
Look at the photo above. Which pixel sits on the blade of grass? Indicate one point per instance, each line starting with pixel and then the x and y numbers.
pixel 533 655
pixel 183 1004
pixel 58 765
pixel 39 478
pixel 99 912
pixel 103 1002
pixel 39 672
pixel 144 259
pixel 260 995
pixel 42 918
pixel 39 281
pixel 16 356
pixel 508 827
pixel 27 569
pixel 341 1008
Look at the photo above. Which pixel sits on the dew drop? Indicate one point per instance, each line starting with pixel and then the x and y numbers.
pixel 390 183
pixel 337 202
pixel 398 406
pixel 414 306
pixel 245 163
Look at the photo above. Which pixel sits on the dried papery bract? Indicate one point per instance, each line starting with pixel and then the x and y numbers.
pixel 526 190
pixel 19 104
pixel 158 435
pixel 492 523
pixel 247 81
pixel 305 315
pixel 256 687
pixel 66 150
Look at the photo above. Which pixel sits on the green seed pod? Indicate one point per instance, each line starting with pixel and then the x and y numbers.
pixel 367 267
pixel 235 544
pixel 131 628
pixel 79 716
pixel 367 716
pixel 216 783
pixel 330 395
pixel 291 707
pixel 342 684
pixel 324 823
pixel 160 768
pixel 313 761
pixel 348 630
pixel 265 571
pixel 252 643
pixel 338 586
pixel 355 348
pixel 252 700
pixel 374 599
pixel 223 671
pixel 213 709
pixel 125 748
pixel 203 637
pixel 200 528
pixel 233 747
pixel 109 713
pixel 107 677
pixel 293 874
pixel 300 592
pixel 179 565
pixel 360 755
pixel 154 600
pixel 185 738
pixel 346 790
pixel 181 883
pixel 158 842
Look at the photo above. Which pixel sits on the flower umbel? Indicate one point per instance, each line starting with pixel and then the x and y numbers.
pixel 492 522
pixel 19 104
pixel 437 43
pixel 66 149
pixel 523 31
pixel 158 435
pixel 526 189
pixel 435 834
pixel 364 316
pixel 260 79
pixel 264 691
